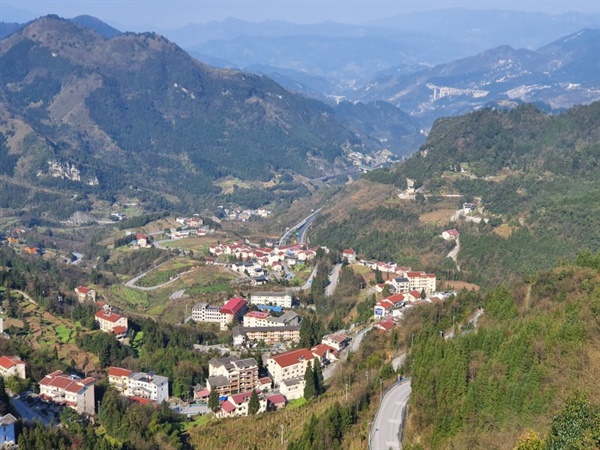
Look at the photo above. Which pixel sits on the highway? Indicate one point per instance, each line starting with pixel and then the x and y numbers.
pixel 303 223
pixel 388 427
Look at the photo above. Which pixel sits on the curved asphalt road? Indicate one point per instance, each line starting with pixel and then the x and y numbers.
pixel 388 427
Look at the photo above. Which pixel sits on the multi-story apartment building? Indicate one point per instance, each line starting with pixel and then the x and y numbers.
pixel 139 384
pixel 232 311
pixel 282 299
pixel 292 364
pixel 269 335
pixel 71 391
pixel 232 375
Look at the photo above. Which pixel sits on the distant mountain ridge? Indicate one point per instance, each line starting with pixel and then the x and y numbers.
pixel 137 111
pixel 561 74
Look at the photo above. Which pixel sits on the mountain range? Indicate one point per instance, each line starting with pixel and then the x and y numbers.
pixel 561 74
pixel 135 110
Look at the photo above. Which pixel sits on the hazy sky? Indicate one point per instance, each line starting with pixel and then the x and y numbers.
pixel 162 14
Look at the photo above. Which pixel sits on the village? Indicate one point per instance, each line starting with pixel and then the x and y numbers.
pixel 267 319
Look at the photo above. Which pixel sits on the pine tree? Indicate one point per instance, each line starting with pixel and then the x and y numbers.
pixel 213 401
pixel 310 390
pixel 319 380
pixel 254 404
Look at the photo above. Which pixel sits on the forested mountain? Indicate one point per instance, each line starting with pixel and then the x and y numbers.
pixel 536 178
pixel 137 111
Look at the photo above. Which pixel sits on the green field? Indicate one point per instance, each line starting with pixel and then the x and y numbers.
pixel 63 333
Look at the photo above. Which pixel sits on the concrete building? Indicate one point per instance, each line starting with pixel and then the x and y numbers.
pixel 292 364
pixel 111 322
pixel 232 375
pixel 139 385
pixel 85 293
pixel 12 366
pixel 282 299
pixel 71 391
pixel 264 319
pixel 337 341
pixel 232 311
pixel 292 388
pixel 269 335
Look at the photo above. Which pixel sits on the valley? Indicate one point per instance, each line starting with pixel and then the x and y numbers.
pixel 398 248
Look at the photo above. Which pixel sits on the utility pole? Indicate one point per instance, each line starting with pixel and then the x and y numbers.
pixel 380 390
pixel 282 435
pixel 346 392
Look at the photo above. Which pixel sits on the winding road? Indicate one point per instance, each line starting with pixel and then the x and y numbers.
pixel 388 427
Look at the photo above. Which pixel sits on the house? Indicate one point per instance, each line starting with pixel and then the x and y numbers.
pixel 112 322
pixel 291 364
pixel 237 405
pixel 282 299
pixel 292 388
pixel 264 384
pixel 469 207
pixel 201 393
pixel 232 311
pixel 413 296
pixel 384 325
pixel 260 280
pixel 325 353
pixel 241 375
pixel 450 235
pixel 140 385
pixel 142 240
pixel 12 366
pixel 7 431
pixel 349 255
pixel 71 391
pixel 85 293
pixel 276 402
pixel 337 341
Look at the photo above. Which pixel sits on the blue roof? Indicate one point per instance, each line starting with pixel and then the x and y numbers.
pixel 276 309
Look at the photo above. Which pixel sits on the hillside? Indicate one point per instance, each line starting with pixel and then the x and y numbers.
pixel 101 116
pixel 531 364
pixel 535 177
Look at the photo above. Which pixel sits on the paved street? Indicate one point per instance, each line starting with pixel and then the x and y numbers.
pixel 387 429
pixel 333 280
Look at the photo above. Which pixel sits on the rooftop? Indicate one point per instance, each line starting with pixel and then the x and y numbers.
pixel 7 362
pixel 234 305
pixel 292 357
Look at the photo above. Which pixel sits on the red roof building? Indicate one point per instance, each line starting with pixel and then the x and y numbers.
pixel 109 321
pixel 72 391
pixel 235 306
pixel 12 366
pixel 290 364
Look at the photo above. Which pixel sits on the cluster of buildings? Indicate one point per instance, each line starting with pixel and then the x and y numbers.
pixel 246 214
pixel 404 279
pixel 190 226
pixel 235 379
pixel 267 257
pixel 267 326
pixel 107 319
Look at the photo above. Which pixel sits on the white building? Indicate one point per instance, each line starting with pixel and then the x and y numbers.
pixel 111 322
pixel 282 299
pixel 292 388
pixel 232 311
pixel 139 384
pixel 12 366
pixel 71 391
pixel 292 364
